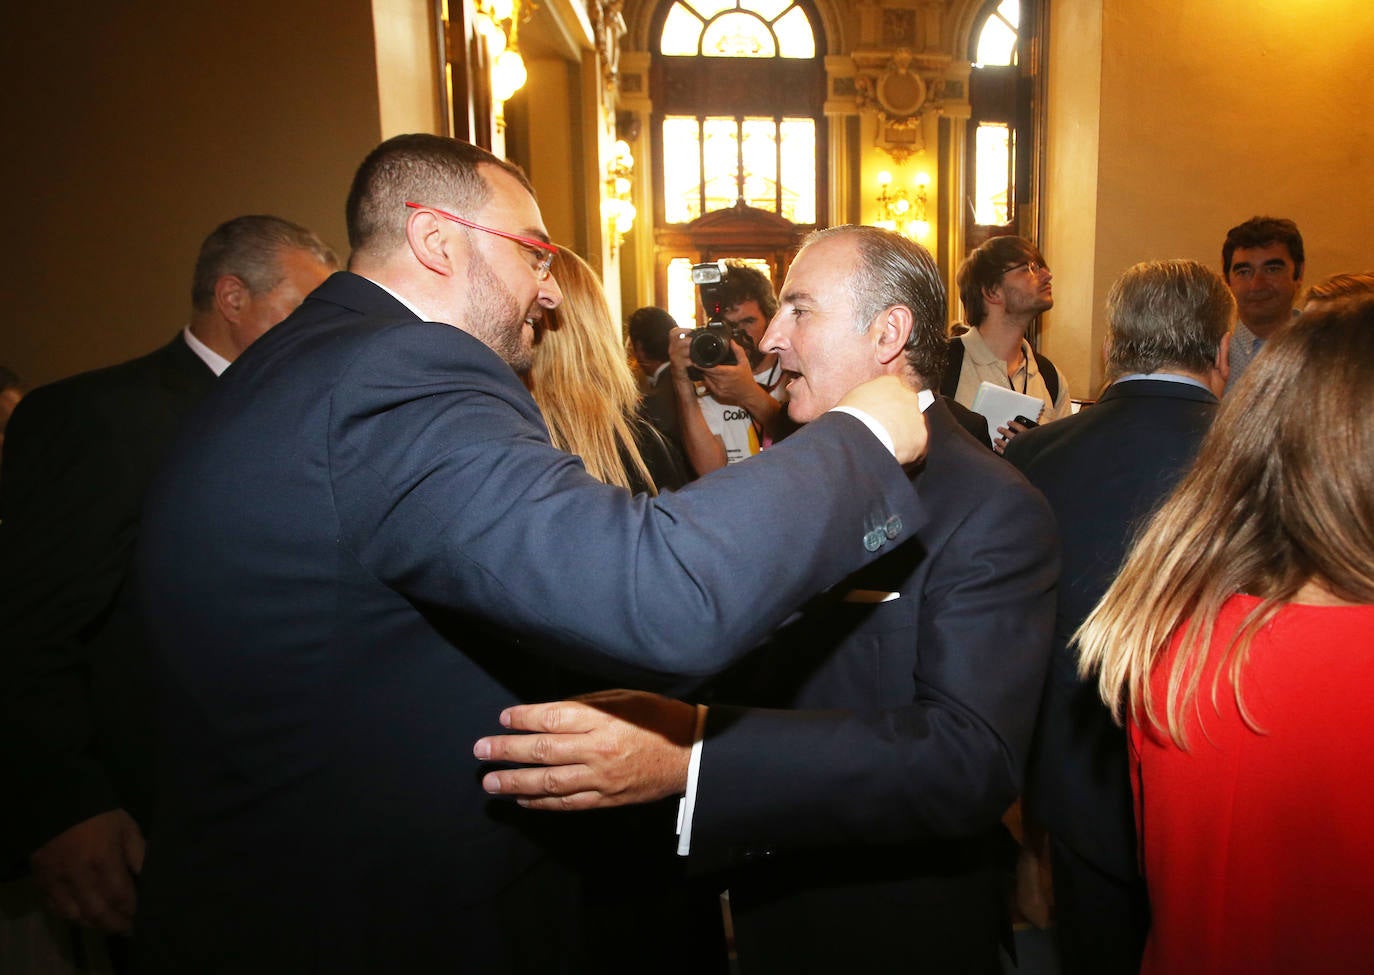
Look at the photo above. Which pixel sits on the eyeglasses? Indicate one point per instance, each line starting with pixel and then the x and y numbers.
pixel 1034 267
pixel 543 252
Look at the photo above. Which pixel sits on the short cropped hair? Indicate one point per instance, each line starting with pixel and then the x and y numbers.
pixel 982 271
pixel 746 283
pixel 250 249
pixel 1167 313
pixel 650 327
pixel 1261 232
pixel 419 168
pixel 893 270
pixel 1342 286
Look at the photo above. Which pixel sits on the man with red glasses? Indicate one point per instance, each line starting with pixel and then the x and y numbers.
pixel 366 548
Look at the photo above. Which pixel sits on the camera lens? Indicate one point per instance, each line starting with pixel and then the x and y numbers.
pixel 709 348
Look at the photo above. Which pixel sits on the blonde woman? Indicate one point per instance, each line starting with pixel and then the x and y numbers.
pixel 1238 642
pixel 587 393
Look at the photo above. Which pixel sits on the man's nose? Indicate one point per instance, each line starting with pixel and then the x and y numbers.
pixel 550 295
pixel 773 339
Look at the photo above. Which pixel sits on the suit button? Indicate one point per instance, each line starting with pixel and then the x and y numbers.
pixel 874 540
pixel 893 528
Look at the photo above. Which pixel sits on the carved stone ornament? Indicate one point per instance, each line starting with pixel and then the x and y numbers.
pixel 608 24
pixel 899 98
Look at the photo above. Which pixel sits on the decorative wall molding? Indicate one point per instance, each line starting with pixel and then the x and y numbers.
pixel 900 90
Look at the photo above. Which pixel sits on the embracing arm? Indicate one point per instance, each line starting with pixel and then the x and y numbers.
pixel 947 764
pixel 448 490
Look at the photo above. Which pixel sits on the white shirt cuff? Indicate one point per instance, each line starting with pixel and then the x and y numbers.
pixel 686 806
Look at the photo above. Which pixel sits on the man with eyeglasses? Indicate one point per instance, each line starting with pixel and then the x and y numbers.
pixel 1262 260
pixel 856 797
pixel 366 548
pixel 1004 284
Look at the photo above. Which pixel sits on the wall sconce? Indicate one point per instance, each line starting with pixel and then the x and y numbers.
pixel 902 211
pixel 616 207
pixel 497 22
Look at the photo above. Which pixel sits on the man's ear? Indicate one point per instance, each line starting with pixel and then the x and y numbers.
pixel 1223 361
pixel 231 297
pixel 891 330
pixel 424 235
pixel 993 295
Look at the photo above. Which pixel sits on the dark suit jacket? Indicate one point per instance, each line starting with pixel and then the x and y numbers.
pixel 354 560
pixel 77 711
pixel 869 820
pixel 1103 471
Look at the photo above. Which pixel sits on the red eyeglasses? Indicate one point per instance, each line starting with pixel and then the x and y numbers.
pixel 542 250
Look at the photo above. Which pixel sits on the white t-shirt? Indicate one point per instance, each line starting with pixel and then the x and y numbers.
pixel 734 424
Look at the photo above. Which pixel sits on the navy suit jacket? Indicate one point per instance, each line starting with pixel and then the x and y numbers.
pixel 865 812
pixel 362 550
pixel 76 721
pixel 1104 471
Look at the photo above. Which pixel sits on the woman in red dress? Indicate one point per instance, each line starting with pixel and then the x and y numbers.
pixel 1238 643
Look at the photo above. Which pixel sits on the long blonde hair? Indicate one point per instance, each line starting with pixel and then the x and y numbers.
pixel 1282 493
pixel 582 382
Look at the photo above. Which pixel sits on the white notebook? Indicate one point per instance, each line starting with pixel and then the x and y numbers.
pixel 1001 405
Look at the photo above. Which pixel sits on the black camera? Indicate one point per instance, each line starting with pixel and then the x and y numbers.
pixel 710 344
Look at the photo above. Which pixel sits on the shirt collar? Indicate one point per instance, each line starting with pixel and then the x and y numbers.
pixel 216 362
pixel 411 308
pixel 1164 377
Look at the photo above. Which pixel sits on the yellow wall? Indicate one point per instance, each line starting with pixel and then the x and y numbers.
pixel 407 54
pixel 1207 114
pixel 133 128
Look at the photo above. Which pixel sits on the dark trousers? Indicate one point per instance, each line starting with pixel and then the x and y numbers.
pixel 1100 921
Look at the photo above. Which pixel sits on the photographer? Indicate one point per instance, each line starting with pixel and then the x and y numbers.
pixel 737 407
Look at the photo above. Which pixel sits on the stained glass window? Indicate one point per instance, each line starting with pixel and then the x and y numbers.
pixel 737 29
pixel 994 139
pixel 992 152
pixel 711 161
pixel 769 163
pixel 997 39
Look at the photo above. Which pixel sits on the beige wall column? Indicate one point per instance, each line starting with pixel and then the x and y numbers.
pixel 637 256
pixel 840 171
pixel 1073 331
pixel 1164 131
pixel 409 86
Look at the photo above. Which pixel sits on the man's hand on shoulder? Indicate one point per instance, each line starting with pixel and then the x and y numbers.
pixel 611 748
pixel 87 871
pixel 893 404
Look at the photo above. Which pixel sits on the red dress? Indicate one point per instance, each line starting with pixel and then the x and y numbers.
pixel 1258 849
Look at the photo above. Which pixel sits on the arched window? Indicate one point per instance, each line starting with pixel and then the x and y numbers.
pixel 738 88
pixel 733 125
pixel 1000 126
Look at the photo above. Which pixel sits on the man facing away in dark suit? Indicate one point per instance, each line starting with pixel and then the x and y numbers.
pixel 396 553
pixel 1103 471
pixel 858 795
pixel 77 739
